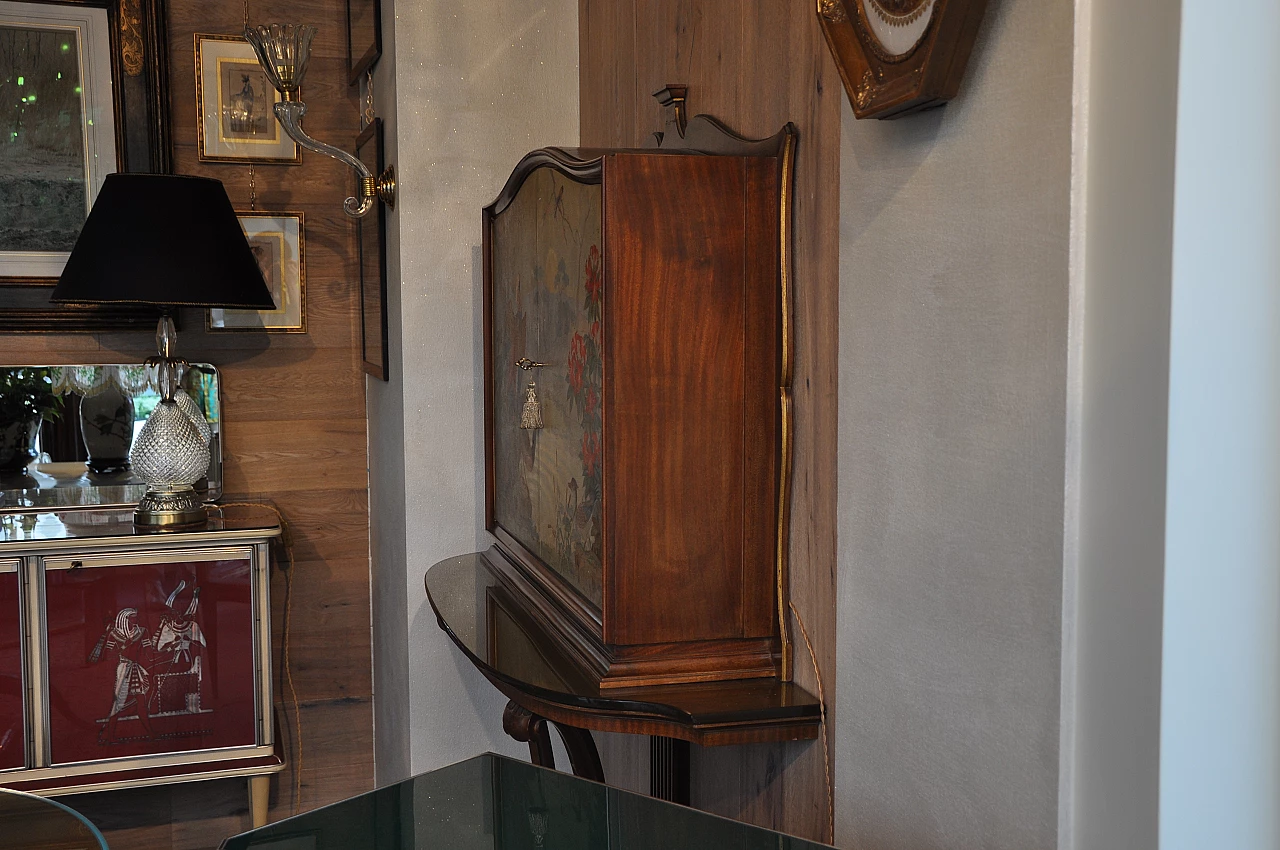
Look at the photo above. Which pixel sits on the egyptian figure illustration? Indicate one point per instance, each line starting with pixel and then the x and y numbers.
pixel 179 665
pixel 157 675
pixel 128 641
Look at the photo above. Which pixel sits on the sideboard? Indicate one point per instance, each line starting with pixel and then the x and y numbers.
pixel 132 658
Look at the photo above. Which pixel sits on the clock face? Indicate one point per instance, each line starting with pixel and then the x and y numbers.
pixel 896 27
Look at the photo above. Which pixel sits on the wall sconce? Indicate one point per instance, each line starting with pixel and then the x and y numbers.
pixel 283 51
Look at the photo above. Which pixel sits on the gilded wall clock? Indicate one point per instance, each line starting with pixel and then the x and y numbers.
pixel 900 56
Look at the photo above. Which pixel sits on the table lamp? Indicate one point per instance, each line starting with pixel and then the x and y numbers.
pixel 168 241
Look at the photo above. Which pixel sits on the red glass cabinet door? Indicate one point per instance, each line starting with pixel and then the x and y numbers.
pixel 150 656
pixel 13 732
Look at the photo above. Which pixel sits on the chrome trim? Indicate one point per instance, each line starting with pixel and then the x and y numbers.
pixel 164 556
pixel 262 643
pixel 37 635
pixel 24 663
pixel 144 782
pixel 172 539
pixel 111 765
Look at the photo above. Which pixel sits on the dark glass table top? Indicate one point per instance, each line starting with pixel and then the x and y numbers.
pixel 479 609
pixel 32 823
pixel 495 803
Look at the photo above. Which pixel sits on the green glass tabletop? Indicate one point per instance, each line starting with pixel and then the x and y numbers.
pixel 495 803
pixel 35 823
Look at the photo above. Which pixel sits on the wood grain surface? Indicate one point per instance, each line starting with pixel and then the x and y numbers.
pixel 295 433
pixel 754 65
pixel 674 247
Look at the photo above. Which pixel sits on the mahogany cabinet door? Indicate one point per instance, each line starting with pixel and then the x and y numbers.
pixel 13 731
pixel 150 652
pixel 546 303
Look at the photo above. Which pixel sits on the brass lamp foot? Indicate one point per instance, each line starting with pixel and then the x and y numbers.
pixel 176 507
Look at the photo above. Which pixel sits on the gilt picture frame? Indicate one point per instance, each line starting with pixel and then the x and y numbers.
pixel 235 120
pixel 276 239
pixel 132 134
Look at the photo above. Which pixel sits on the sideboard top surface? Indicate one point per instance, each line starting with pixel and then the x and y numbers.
pixel 74 528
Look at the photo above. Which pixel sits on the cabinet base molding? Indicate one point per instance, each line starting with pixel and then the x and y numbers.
pixel 611 666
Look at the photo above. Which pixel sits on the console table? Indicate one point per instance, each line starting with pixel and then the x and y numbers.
pixel 480 602
pixel 133 658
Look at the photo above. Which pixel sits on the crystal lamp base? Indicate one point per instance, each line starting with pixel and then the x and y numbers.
pixel 170 507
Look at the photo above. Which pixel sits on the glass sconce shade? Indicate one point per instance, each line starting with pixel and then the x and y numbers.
pixel 283 52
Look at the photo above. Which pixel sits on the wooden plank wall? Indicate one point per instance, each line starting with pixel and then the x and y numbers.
pixel 294 432
pixel 754 64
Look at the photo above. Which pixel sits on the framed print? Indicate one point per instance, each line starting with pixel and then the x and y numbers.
pixel 370 232
pixel 59 133
pixel 276 241
pixel 364 37
pixel 121 56
pixel 235 105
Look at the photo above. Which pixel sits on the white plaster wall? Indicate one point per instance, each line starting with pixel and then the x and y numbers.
pixel 384 404
pixel 1220 733
pixel 1126 83
pixel 476 86
pixel 953 342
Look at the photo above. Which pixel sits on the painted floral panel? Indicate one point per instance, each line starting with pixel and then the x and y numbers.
pixel 547 299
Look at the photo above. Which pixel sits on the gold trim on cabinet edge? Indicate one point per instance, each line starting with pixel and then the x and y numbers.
pixel 784 402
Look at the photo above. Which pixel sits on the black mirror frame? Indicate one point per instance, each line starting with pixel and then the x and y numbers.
pixel 140 90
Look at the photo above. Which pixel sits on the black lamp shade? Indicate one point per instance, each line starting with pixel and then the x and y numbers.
pixel 163 239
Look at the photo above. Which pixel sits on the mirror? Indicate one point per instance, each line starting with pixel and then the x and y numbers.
pixel 66 431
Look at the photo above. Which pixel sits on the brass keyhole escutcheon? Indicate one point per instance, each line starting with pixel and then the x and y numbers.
pixel 531 412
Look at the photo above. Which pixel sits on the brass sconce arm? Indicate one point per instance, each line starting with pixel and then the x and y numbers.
pixel 372 188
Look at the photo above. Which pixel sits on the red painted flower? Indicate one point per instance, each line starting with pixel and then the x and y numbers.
pixel 590 452
pixel 577 360
pixel 592 401
pixel 594 279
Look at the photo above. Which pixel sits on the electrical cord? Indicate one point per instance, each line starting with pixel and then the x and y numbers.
pixel 286 543
pixel 822 708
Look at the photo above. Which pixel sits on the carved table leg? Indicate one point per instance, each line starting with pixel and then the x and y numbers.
pixel 525 726
pixel 669 769
pixel 583 755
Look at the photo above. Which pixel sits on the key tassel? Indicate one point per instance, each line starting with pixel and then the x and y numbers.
pixel 531 415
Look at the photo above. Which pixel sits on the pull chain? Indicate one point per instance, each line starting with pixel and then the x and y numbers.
pixel 246 14
pixel 369 114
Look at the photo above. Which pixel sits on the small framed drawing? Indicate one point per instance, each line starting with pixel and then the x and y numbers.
pixel 276 241
pixel 59 137
pixel 364 37
pixel 373 271
pixel 235 118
